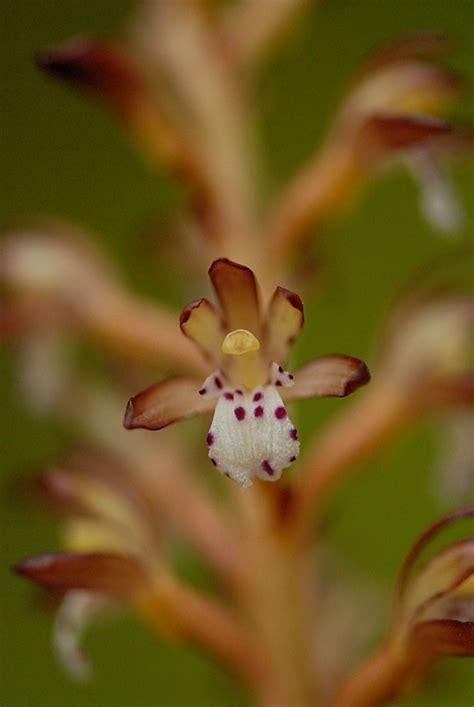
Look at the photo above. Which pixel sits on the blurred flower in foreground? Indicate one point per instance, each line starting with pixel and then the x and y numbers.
pixel 433 616
pixel 251 434
pixel 114 557
pixel 111 548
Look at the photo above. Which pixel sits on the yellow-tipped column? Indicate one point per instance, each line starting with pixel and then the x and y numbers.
pixel 248 369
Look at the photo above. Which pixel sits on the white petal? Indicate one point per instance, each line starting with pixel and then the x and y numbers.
pixel 76 612
pixel 252 435
pixel 439 202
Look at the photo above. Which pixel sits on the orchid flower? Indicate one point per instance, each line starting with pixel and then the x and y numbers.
pixel 251 433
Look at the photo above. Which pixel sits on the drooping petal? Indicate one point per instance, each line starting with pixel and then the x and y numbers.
pixel 334 375
pixel 252 435
pixel 284 321
pixel 117 575
pixel 200 322
pixel 236 288
pixel 439 202
pixel 77 610
pixel 166 402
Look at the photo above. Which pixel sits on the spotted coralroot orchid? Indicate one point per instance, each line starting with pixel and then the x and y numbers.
pixel 433 616
pixel 251 434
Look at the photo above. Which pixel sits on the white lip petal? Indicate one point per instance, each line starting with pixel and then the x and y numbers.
pixel 252 435
pixel 439 202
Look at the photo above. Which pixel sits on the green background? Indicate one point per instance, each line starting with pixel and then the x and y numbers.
pixel 63 156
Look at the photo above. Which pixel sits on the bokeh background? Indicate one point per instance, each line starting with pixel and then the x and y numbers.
pixel 63 156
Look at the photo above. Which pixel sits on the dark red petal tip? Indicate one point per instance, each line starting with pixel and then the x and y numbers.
pixel 294 299
pixel 128 420
pixel 225 262
pixel 360 377
pixel 186 312
pixel 94 66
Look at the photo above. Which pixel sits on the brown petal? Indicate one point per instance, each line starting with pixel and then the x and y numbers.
pixel 334 375
pixel 166 402
pixel 236 288
pixel 117 575
pixel 425 539
pixel 440 577
pixel 200 322
pixel 445 637
pixel 283 323
pixel 384 133
pixel 97 67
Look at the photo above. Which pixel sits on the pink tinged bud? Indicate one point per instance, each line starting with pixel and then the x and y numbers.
pixel 253 439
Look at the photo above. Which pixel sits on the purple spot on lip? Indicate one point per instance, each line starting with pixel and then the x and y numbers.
pixel 278 382
pixel 239 413
pixel 280 368
pixel 280 413
pixel 258 412
pixel 210 439
pixel 291 376
pixel 213 461
pixel 203 391
pixel 294 433
pixel 292 459
pixel 266 466
pixel 218 382
pixel 257 396
pixel 238 392
pixel 229 396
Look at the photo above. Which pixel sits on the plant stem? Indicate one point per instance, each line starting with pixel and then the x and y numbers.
pixel 277 597
pixel 382 677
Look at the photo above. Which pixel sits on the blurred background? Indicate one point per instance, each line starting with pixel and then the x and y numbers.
pixel 63 156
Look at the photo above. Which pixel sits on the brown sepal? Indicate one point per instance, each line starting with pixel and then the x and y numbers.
pixel 386 133
pixel 96 67
pixel 117 575
pixel 444 637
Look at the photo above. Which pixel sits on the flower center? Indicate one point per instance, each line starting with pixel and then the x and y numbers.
pixel 240 341
pixel 247 368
